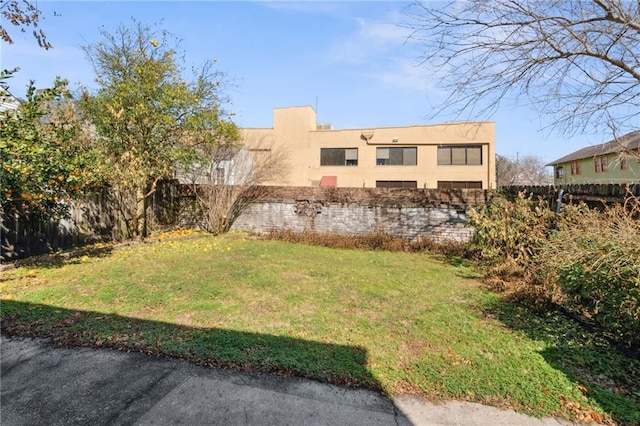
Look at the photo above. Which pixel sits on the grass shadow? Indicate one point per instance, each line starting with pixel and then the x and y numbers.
pixel 605 374
pixel 244 351
pixel 61 258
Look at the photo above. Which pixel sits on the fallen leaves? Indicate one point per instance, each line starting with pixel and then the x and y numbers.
pixel 582 414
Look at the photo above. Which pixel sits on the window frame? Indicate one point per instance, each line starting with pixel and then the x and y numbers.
pixel 624 162
pixel 441 161
pixel 459 184
pixel 348 162
pixel 397 184
pixel 575 167
pixel 601 163
pixel 380 158
pixel 220 177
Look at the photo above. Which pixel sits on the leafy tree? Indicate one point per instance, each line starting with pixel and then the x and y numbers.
pixel 152 119
pixel 577 61
pixel 47 156
pixel 22 14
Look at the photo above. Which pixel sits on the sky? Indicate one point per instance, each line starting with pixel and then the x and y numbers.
pixel 350 60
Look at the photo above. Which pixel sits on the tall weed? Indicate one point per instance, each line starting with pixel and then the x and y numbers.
pixel 374 241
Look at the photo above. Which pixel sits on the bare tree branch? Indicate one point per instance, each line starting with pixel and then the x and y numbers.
pixel 22 14
pixel 527 170
pixel 231 177
pixel 576 61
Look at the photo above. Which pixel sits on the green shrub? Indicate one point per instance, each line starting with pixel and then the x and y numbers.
pixel 509 234
pixel 595 258
pixel 585 260
pixel 511 231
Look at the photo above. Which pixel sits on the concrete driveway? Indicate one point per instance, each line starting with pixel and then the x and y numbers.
pixel 42 384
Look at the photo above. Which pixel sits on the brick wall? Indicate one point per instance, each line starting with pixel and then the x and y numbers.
pixel 408 213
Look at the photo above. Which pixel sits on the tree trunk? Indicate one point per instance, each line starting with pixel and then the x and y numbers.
pixel 141 214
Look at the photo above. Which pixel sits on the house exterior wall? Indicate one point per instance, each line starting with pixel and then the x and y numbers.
pixel 614 174
pixel 296 132
pixel 7 102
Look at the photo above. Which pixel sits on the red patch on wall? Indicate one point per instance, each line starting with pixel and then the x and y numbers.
pixel 329 182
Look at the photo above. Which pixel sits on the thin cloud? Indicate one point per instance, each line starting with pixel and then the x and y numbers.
pixel 381 50
pixel 63 61
pixel 307 7
pixel 28 49
pixel 370 41
pixel 403 74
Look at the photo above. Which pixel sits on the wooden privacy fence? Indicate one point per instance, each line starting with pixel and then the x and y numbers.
pixel 89 220
pixel 93 218
pixel 594 196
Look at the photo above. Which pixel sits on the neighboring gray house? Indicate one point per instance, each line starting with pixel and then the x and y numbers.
pixel 234 166
pixel 7 101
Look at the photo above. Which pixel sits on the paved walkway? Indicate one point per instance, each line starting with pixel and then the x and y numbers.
pixel 42 384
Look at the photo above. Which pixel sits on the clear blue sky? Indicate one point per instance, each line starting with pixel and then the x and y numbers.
pixel 349 58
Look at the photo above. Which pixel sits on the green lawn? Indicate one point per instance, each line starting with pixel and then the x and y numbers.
pixel 398 322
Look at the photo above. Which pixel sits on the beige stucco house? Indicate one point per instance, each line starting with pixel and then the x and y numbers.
pixel 613 162
pixel 452 155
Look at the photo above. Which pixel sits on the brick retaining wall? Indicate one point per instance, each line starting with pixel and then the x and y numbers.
pixel 409 213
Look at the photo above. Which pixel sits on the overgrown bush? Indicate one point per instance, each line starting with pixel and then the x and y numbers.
pixel 594 256
pixel 512 230
pixel 508 236
pixel 585 260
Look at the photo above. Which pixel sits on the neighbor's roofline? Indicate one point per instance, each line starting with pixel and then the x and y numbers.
pixel 351 129
pixel 630 141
